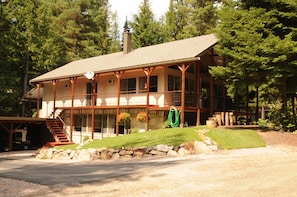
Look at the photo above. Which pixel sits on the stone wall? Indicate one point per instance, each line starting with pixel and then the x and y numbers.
pixel 196 147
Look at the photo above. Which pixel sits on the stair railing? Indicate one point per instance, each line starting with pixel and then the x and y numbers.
pixel 64 126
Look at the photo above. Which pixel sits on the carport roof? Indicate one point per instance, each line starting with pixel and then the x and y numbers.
pixel 7 119
pixel 161 54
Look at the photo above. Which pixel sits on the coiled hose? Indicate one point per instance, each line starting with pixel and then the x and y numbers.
pixel 173 117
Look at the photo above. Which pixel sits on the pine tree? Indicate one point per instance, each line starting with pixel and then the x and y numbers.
pixel 146 29
pixel 258 40
pixel 189 18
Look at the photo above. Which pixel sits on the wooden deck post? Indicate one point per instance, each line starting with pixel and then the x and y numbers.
pixel 72 80
pixel 119 76
pixel 148 72
pixel 183 68
pixel 94 97
pixel 55 82
pixel 38 99
pixel 198 90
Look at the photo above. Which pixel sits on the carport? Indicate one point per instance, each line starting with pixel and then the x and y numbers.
pixel 10 124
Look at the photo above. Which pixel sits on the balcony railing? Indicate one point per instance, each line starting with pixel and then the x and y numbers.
pixel 169 98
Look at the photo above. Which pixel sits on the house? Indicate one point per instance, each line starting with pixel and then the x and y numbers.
pixel 89 94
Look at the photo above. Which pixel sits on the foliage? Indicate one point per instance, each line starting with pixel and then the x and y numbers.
pixel 280 118
pixel 37 36
pixel 124 116
pixel 141 116
pixel 166 125
pixel 146 29
pixel 189 18
pixel 259 42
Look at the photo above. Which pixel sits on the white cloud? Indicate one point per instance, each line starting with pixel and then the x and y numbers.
pixel 127 8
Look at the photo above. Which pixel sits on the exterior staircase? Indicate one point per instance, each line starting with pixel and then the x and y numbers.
pixel 220 119
pixel 56 128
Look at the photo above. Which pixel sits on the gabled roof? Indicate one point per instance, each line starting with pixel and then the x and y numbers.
pixel 155 55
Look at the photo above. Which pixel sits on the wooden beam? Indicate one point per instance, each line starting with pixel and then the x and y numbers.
pixel 72 80
pixel 198 90
pixel 94 97
pixel 183 68
pixel 55 82
pixel 119 75
pixel 148 71
pixel 38 99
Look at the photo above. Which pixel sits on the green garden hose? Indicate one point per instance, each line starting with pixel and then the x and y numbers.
pixel 173 117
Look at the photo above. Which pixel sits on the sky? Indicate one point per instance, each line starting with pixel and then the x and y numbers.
pixel 127 8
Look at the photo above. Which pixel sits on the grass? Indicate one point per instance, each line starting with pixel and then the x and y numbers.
pixel 225 138
pixel 174 136
pixel 236 138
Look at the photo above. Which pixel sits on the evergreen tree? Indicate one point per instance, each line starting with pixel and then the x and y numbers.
pixel 114 35
pixel 37 36
pixel 26 45
pixel 189 18
pixel 258 40
pixel 146 29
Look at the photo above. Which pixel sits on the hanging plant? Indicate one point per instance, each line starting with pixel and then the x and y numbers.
pixel 124 116
pixel 141 117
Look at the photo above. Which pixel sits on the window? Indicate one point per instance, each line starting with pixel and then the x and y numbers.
pixel 128 86
pixel 153 84
pixel 89 93
pixel 190 85
pixel 174 83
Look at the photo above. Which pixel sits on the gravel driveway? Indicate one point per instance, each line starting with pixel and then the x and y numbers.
pixel 269 171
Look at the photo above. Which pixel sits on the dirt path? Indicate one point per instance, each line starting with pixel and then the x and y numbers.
pixel 269 171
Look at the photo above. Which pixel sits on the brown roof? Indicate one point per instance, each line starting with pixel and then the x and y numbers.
pixel 166 53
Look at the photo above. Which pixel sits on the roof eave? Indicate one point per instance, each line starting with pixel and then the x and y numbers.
pixel 155 64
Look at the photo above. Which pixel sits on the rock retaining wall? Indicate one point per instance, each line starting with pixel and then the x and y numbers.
pixel 108 153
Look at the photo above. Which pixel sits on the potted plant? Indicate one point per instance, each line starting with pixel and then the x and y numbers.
pixel 124 117
pixel 141 116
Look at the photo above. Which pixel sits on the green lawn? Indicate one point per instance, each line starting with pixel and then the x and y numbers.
pixel 226 138
pixel 236 138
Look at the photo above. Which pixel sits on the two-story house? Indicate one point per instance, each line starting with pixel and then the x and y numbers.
pixel 89 94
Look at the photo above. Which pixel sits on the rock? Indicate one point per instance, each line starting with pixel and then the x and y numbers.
pixel 83 155
pixel 104 155
pixel 127 156
pixel 214 147
pixel 122 152
pixel 102 149
pixel 156 152
pixel 172 153
pixel 139 153
pixel 92 151
pixel 207 141
pixel 61 155
pixel 162 148
pixel 201 147
pixel 115 156
pixel 183 151
pixel 129 152
pixel 175 148
pixel 72 154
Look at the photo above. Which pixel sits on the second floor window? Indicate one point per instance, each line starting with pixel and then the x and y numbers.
pixel 128 86
pixel 174 83
pixel 153 84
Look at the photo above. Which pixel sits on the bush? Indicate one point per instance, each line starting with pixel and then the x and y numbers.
pixel 166 125
pixel 280 118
